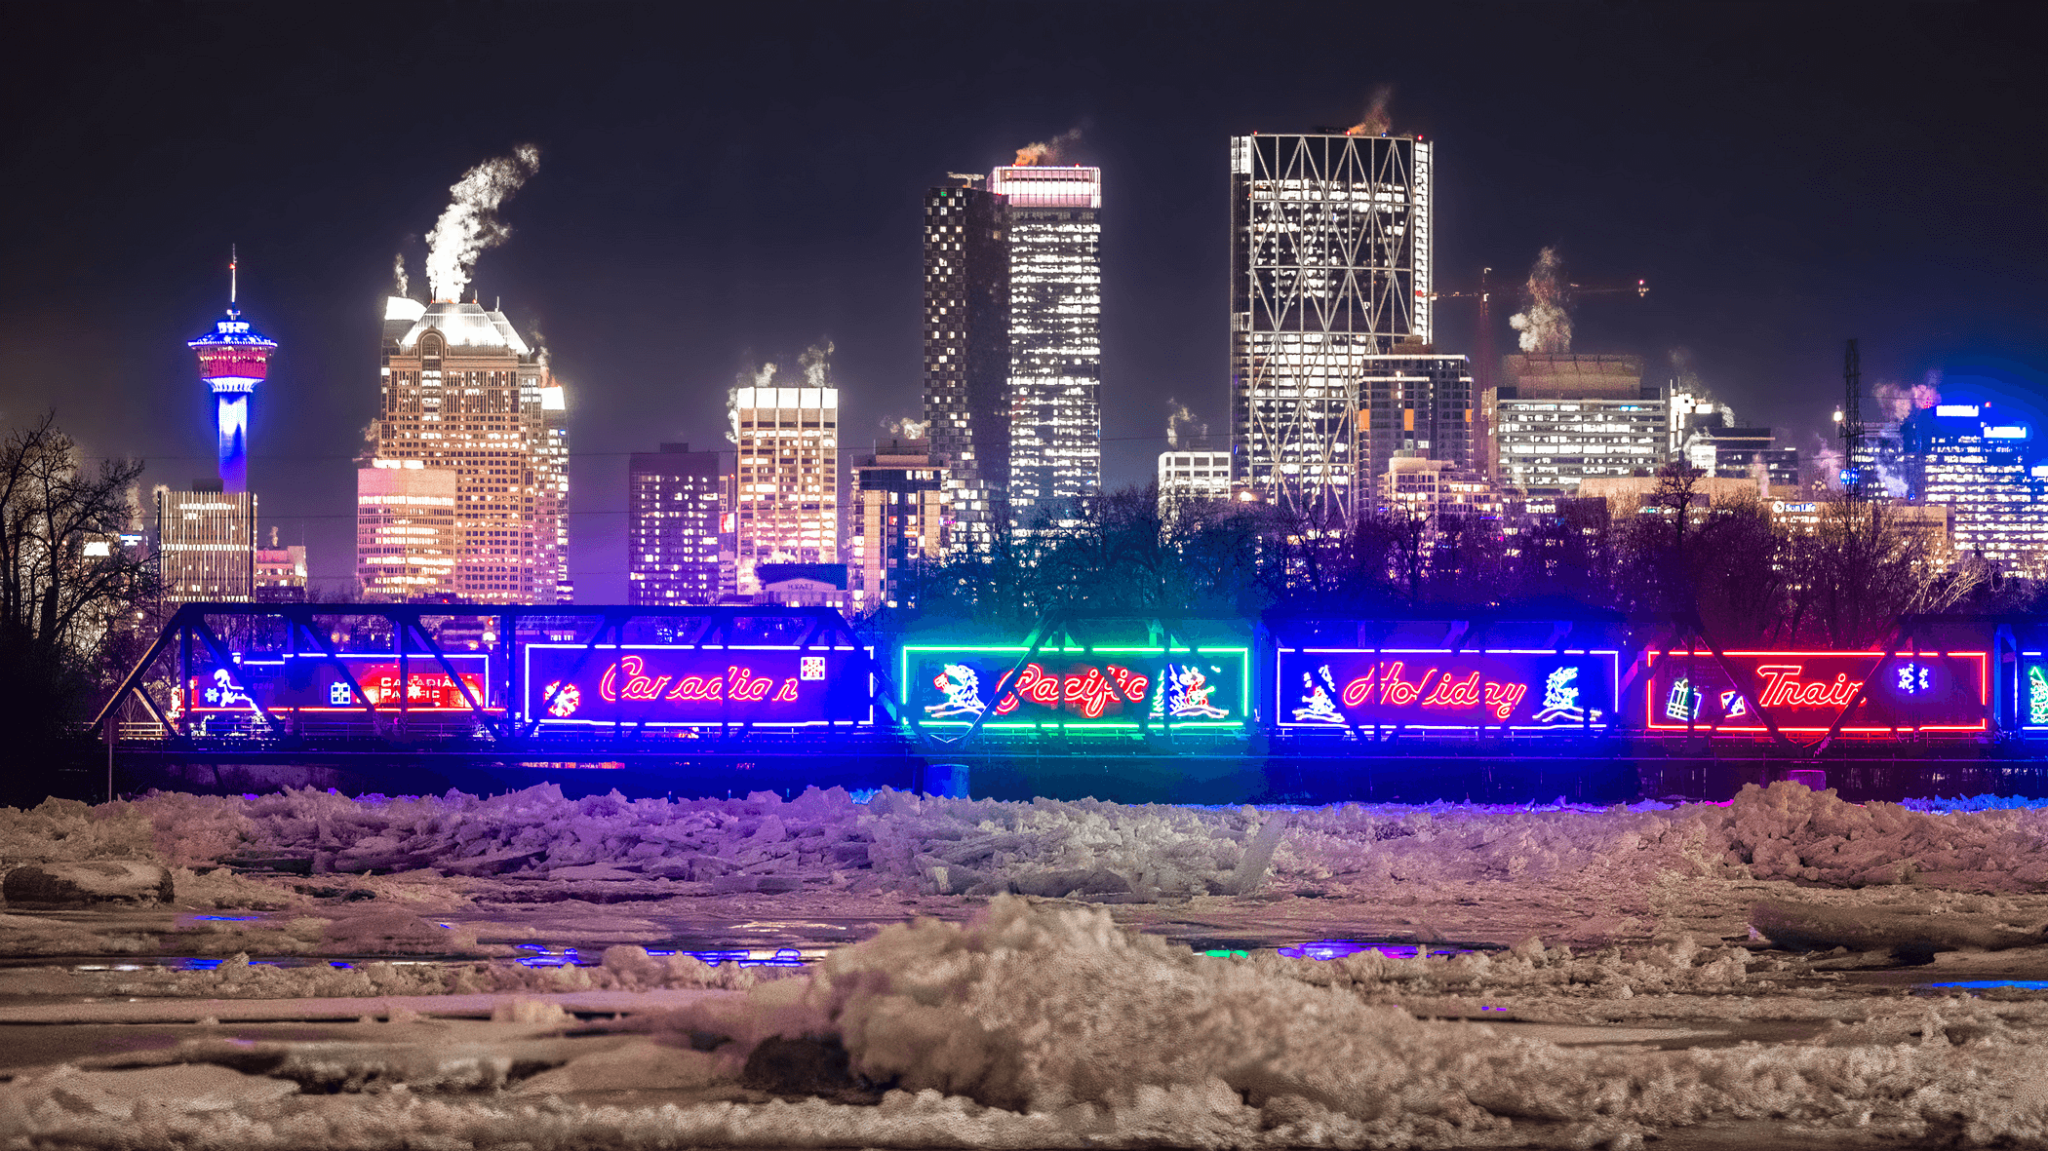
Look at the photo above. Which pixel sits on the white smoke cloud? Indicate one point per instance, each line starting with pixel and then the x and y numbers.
pixel 1894 403
pixel 1050 151
pixel 906 428
pixel 1544 321
pixel 1827 462
pixel 398 275
pixel 469 223
pixel 816 363
pixel 1182 427
pixel 1928 394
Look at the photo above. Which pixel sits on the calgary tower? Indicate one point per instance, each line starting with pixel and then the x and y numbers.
pixel 233 359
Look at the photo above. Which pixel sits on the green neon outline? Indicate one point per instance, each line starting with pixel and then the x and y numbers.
pixel 1244 707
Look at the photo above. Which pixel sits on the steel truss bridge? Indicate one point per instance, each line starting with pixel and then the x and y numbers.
pixel 450 684
pixel 432 694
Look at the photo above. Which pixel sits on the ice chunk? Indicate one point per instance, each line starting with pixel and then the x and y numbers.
pixel 1809 927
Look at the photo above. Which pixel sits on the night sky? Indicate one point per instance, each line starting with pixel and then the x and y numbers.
pixel 720 185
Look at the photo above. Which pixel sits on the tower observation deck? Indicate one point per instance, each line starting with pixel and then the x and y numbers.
pixel 233 359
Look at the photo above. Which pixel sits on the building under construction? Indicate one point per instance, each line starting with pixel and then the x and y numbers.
pixel 1330 267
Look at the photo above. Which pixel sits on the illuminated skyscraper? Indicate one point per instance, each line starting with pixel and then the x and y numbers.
pixel 786 503
pixel 1560 417
pixel 205 544
pixel 1413 401
pixel 405 531
pixel 1055 338
pixel 1978 464
pixel 551 467
pixel 463 392
pixel 899 513
pixel 233 359
pixel 1330 265
pixel 967 355
pixel 673 508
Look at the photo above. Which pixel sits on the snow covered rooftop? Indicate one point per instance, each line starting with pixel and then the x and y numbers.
pixel 465 325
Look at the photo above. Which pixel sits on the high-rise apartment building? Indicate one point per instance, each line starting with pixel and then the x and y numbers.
pixel 899 518
pixel 462 391
pixel 967 355
pixel 205 544
pixel 406 540
pixel 1055 339
pixel 1330 265
pixel 1413 401
pixel 1978 464
pixel 674 499
pixel 1559 418
pixel 786 499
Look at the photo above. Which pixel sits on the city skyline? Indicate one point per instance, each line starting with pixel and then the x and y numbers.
pixel 1762 294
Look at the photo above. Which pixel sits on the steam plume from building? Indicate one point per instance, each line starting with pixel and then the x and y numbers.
pixel 1827 461
pixel 1051 151
pixel 469 223
pixel 1377 121
pixel 1545 320
pixel 906 428
pixel 1928 393
pixel 1182 428
pixel 398 276
pixel 1894 403
pixel 816 363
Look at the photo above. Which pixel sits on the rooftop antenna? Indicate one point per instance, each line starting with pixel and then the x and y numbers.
pixel 233 260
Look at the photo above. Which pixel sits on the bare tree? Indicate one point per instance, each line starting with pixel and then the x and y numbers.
pixel 69 589
pixel 1862 569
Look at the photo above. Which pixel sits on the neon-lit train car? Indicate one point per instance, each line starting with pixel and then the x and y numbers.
pixel 1943 692
pixel 571 685
pixel 309 683
pixel 1076 688
pixel 2023 690
pixel 1444 677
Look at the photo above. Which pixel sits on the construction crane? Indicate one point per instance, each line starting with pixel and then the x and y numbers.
pixel 1641 288
pixel 1483 354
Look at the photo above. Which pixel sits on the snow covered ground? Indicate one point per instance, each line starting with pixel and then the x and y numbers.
pixel 517 971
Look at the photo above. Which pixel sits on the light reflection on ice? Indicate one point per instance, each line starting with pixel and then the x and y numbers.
pixel 740 956
pixel 1995 984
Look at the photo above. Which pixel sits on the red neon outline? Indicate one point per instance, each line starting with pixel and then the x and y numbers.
pixel 1983 659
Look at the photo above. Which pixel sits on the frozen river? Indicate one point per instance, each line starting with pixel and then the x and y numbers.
pixel 530 970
